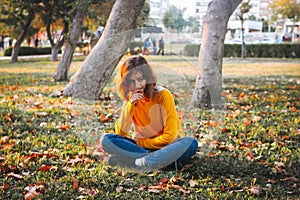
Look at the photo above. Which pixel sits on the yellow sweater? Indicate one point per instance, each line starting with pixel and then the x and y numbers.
pixel 156 123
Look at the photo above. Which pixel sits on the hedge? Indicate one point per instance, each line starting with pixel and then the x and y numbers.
pixel 25 51
pixel 285 50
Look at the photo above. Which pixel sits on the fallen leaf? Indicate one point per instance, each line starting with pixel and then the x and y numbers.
pixel 75 183
pixel 193 183
pixel 257 190
pixel 91 192
pixel 64 127
pixel 45 168
pixel 4 139
pixel 33 191
pixel 4 186
pixel 249 155
pixel 17 176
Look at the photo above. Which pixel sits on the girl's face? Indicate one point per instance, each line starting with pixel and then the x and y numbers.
pixel 136 82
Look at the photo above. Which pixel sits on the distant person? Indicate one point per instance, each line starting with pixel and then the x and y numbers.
pixel 2 43
pixel 154 46
pixel 147 45
pixel 10 42
pixel 36 42
pixel 161 47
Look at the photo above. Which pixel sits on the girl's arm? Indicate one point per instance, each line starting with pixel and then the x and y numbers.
pixel 123 124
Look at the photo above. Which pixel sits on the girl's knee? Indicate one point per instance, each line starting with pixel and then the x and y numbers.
pixel 105 138
pixel 192 143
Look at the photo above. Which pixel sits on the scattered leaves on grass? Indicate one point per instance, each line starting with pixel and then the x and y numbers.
pixel 256 135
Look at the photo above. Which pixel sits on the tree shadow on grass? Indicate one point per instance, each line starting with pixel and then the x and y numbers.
pixel 242 174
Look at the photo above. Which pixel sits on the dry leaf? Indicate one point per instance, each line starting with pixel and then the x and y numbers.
pixel 249 155
pixel 257 190
pixel 193 183
pixel 33 191
pixel 75 183
pixel 17 176
pixel 45 168
pixel 4 139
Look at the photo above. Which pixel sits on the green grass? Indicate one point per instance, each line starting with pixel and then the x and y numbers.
pixel 250 150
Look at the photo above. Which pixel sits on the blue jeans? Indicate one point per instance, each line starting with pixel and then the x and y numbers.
pixel 180 150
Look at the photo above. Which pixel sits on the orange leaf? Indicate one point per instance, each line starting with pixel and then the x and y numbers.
pixel 211 154
pixel 285 137
pixel 75 183
pixel 104 119
pixel 65 127
pixel 247 122
pixel 249 155
pixel 45 168
pixel 163 181
pixel 242 95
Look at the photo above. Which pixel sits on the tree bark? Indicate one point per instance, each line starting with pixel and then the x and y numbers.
pixel 64 65
pixel 99 65
pixel 59 43
pixel 208 87
pixel 17 46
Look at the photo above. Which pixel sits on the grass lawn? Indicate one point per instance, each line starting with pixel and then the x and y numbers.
pixel 249 150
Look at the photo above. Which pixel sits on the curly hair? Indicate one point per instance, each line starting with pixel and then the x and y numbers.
pixel 132 65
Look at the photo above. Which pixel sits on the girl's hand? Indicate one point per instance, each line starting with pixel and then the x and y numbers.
pixel 135 97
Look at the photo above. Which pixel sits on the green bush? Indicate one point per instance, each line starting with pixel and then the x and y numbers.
pixel 285 50
pixel 25 51
pixel 191 49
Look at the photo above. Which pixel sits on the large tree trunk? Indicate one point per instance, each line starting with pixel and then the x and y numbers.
pixel 17 46
pixel 98 67
pixel 64 65
pixel 208 87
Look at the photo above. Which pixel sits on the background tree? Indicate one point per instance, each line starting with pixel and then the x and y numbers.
pixel 57 16
pixel 193 24
pixel 72 41
pixel 173 19
pixel 208 87
pixel 18 16
pixel 143 17
pixel 287 9
pixel 244 8
pixel 82 9
pixel 99 65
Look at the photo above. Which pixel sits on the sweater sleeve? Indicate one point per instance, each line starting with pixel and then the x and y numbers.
pixel 170 119
pixel 123 124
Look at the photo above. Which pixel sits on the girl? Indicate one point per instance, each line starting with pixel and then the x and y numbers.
pixel 158 139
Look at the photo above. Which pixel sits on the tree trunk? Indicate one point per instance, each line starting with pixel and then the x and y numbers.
pixel 99 65
pixel 64 65
pixel 17 46
pixel 54 53
pixel 208 87
pixel 243 40
pixel 59 43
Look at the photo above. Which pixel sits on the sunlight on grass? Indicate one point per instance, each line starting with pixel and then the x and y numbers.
pixel 249 150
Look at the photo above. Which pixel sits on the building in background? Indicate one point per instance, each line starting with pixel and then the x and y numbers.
pixel 157 10
pixel 198 8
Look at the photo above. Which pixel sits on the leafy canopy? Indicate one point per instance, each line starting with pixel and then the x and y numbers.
pixel 173 19
pixel 288 9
